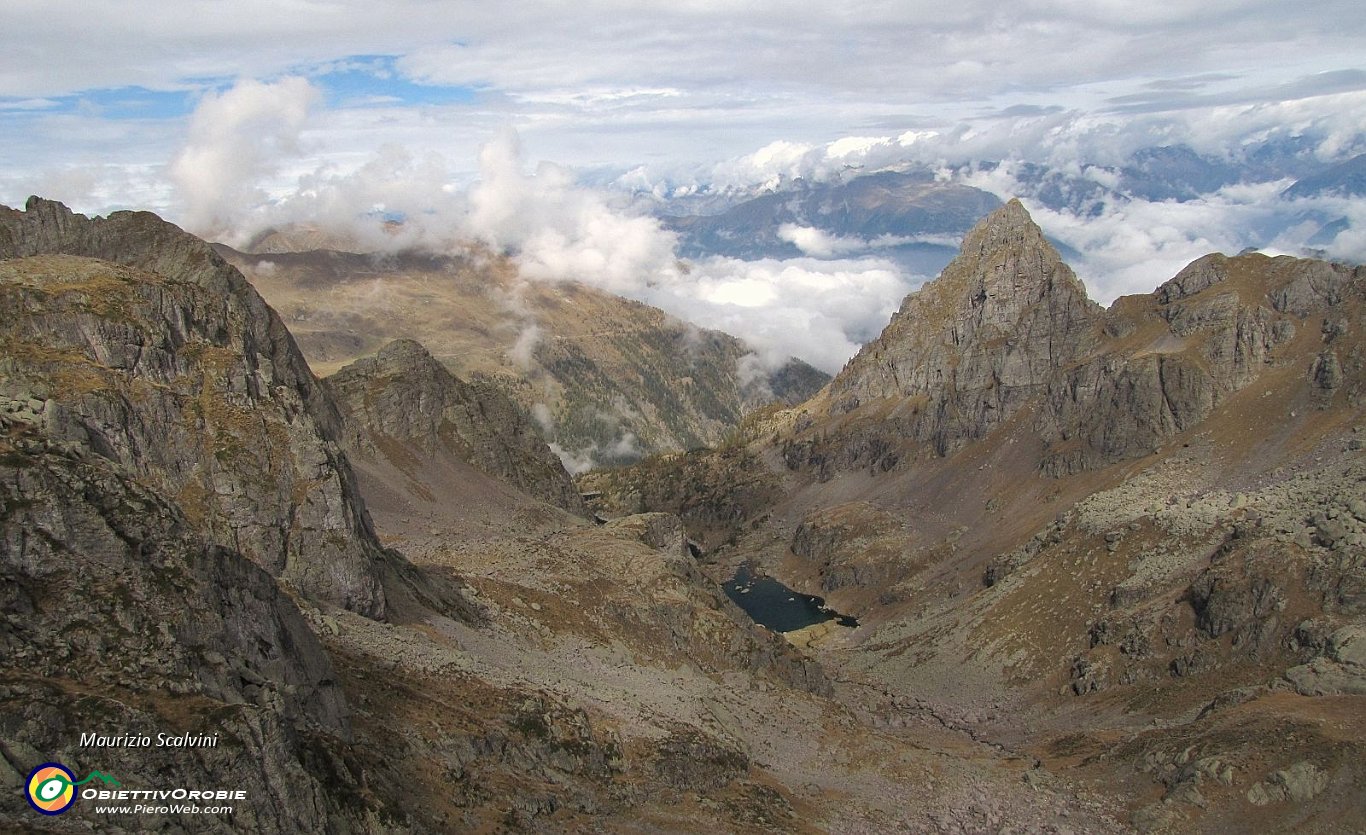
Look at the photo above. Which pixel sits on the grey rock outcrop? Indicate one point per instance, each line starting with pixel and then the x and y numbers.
pixel 1300 783
pixel 1341 669
pixel 145 347
pixel 402 395
pixel 1171 358
pixel 663 531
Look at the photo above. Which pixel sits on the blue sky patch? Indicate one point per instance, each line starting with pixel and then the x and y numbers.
pixel 372 80
pixel 116 104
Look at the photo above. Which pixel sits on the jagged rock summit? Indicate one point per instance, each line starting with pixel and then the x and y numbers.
pixel 971 347
pixel 1008 332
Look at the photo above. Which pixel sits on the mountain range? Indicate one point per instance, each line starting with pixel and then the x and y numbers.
pixel 1123 542
pixel 907 215
pixel 1107 565
pixel 914 213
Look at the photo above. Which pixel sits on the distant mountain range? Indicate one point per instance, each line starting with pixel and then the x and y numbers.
pixel 1347 179
pixel 915 214
pixel 908 215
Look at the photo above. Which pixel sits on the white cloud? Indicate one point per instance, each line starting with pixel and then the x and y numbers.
pixel 525 346
pixel 811 241
pixel 236 140
pixel 819 310
pixel 1133 245
pixel 679 86
pixel 561 231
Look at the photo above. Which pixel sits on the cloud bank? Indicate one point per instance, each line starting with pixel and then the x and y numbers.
pixel 820 307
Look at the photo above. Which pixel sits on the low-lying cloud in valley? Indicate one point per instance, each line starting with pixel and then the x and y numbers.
pixel 819 310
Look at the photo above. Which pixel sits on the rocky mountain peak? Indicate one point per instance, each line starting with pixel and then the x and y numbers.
pixel 1006 265
pixel 406 351
pixel 1009 226
pixel 974 344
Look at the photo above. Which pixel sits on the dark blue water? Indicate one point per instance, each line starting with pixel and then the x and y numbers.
pixel 776 606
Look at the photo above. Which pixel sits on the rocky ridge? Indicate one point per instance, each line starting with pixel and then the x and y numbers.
pixel 1007 331
pixel 135 340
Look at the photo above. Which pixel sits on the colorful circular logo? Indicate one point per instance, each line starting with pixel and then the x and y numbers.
pixel 51 788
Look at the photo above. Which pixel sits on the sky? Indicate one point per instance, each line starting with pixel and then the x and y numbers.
pixel 523 123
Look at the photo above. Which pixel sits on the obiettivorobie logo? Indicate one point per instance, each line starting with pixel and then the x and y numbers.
pixel 52 787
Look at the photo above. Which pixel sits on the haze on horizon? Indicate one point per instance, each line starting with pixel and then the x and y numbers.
pixel 529 126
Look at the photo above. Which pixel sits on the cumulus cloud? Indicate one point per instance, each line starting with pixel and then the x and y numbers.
pixel 819 310
pixel 559 230
pixel 415 190
pixel 237 139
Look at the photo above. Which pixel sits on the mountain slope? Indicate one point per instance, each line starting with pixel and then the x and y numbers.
pixel 531 671
pixel 607 379
pixel 142 344
pixel 102 575
pixel 405 406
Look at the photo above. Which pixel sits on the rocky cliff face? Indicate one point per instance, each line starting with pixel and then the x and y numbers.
pixel 980 340
pixel 402 396
pixel 134 340
pixel 969 350
pixel 1212 330
pixel 119 618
